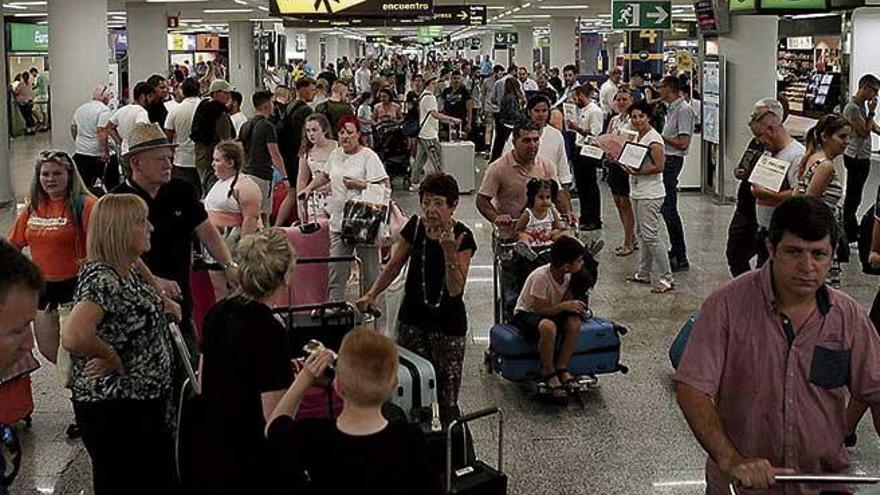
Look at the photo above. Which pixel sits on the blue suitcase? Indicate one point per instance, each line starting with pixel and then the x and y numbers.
pixel 597 351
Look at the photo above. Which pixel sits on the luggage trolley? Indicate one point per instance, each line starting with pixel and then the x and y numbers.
pixel 598 347
pixel 842 479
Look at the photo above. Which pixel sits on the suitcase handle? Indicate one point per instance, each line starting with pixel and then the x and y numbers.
pixel 463 420
pixel 818 479
pixel 338 259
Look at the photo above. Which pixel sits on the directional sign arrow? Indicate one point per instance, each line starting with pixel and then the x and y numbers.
pixel 463 15
pixel 659 16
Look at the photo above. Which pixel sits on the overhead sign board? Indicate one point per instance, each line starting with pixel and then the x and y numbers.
pixel 504 38
pixel 642 15
pixel 28 37
pixel 346 8
pixel 777 7
pixel 207 42
pixel 182 42
pixel 459 15
pixel 743 5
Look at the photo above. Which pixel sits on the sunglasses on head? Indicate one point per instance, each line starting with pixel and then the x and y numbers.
pixel 56 156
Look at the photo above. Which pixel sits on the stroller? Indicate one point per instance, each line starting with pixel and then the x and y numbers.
pixel 393 149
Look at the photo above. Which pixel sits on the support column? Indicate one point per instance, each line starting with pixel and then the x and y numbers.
pixel 242 62
pixel 147 40
pixel 7 195
pixel 524 56
pixel 751 75
pixel 331 46
pixel 78 54
pixel 563 40
pixel 313 51
pixel 487 42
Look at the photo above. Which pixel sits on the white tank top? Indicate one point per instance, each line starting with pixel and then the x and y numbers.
pixel 219 199
pixel 539 225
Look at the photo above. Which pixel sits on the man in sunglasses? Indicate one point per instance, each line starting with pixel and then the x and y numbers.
pixel 20 286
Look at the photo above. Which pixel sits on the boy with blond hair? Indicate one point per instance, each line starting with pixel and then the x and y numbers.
pixel 360 451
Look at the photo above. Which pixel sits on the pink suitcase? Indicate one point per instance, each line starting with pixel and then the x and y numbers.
pixel 16 401
pixel 202 296
pixel 310 280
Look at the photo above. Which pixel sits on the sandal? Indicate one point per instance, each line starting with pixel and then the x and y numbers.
pixel 663 287
pixel 571 384
pixel 623 251
pixel 554 391
pixel 639 280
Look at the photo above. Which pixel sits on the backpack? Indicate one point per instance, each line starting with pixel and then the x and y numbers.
pixel 285 129
pixel 411 125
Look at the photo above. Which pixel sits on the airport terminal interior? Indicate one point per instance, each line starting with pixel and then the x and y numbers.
pixel 630 245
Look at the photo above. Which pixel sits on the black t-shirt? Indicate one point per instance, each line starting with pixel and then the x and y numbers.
pixel 455 102
pixel 245 355
pixel 334 110
pixel 290 134
pixel 328 76
pixel 393 461
pixel 556 82
pixel 157 112
pixel 451 317
pixel 174 213
pixel 255 135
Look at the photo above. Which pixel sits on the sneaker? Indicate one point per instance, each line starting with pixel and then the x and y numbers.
pixel 679 266
pixel 595 247
pixel 523 249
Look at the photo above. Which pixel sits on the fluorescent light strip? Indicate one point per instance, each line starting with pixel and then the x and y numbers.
pixel 227 11
pixel 27 4
pixel 563 7
pixel 264 9
pixel 117 12
pixel 240 2
pixel 496 7
pixel 11 6
pixel 42 14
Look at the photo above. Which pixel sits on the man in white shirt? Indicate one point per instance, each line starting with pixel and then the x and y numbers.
pixel 123 121
pixel 429 141
pixel 528 84
pixel 551 149
pixel 235 114
pixel 362 78
pixel 88 130
pixel 178 126
pixel 608 90
pixel 589 124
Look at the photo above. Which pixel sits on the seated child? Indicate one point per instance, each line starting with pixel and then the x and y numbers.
pixel 360 451
pixel 546 308
pixel 540 224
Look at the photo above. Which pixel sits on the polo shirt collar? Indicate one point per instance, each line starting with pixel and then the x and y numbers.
pixel 823 295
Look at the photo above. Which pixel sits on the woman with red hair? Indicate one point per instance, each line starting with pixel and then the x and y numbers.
pixel 349 169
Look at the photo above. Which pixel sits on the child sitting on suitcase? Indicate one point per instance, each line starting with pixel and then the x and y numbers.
pixel 360 451
pixel 546 309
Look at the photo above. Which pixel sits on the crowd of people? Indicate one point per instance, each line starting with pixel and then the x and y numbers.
pixel 181 172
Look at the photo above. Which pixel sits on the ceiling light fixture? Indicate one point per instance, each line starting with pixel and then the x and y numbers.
pixel 117 12
pixel 240 2
pixel 495 7
pixel 13 6
pixel 563 7
pixel 604 16
pixel 527 5
pixel 227 11
pixel 33 14
pixel 28 4
pixel 264 9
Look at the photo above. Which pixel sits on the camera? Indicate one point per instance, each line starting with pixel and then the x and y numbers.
pixel 314 346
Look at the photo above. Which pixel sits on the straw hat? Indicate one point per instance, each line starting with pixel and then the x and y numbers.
pixel 220 85
pixel 146 137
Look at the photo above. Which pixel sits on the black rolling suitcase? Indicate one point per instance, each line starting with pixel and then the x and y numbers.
pixel 327 323
pixel 477 477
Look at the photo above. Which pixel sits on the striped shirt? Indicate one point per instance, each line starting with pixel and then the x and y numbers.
pixel 833 192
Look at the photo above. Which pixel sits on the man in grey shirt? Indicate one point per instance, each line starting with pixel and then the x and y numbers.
pixel 859 112
pixel 677 136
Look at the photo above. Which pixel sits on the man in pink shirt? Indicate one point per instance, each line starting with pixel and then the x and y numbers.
pixel 762 379
pixel 502 195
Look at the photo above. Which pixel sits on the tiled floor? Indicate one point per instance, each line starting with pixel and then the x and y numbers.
pixel 627 437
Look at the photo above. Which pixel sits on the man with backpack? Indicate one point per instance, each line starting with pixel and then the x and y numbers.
pixel 337 106
pixel 290 133
pixel 211 124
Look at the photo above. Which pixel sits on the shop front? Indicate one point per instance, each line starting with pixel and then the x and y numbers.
pixel 191 49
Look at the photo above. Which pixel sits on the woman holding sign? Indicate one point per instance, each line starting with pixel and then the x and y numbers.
pixel 643 161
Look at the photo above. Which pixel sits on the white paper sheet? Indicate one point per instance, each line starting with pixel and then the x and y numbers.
pixel 769 173
pixel 633 155
pixel 594 152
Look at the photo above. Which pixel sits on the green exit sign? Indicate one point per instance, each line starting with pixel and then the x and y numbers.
pixel 641 15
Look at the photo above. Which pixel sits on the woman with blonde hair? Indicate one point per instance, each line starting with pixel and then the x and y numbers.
pixel 121 354
pixel 233 203
pixel 245 369
pixel 54 226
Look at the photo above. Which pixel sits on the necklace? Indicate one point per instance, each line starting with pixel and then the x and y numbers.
pixel 424 278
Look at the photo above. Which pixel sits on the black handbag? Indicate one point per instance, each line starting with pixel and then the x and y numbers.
pixel 361 221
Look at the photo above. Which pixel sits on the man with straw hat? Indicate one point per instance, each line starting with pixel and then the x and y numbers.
pixel 175 215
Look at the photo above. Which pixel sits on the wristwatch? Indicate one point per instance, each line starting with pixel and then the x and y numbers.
pixel 229 264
